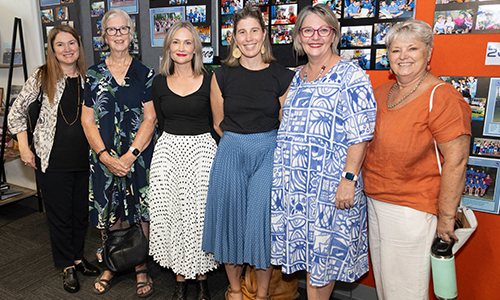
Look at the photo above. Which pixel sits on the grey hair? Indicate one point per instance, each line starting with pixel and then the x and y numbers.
pixel 327 15
pixel 116 12
pixel 411 30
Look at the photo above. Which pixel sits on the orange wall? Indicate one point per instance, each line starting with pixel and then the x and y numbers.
pixel 478 262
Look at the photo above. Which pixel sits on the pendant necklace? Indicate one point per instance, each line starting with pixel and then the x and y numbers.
pixel 407 95
pixel 78 106
pixel 320 72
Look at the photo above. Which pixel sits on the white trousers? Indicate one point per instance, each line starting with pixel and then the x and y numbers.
pixel 400 240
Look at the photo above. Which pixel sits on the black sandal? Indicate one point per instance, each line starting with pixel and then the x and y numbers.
pixel 142 284
pixel 180 292
pixel 202 292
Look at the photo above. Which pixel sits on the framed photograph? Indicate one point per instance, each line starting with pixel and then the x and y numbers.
pixel 282 34
pixel 335 5
pixel 360 9
pixel 283 14
pixel 453 21
pixel 380 31
pixel 134 44
pixel 97 9
pixel 177 2
pixel 228 7
pixel 98 25
pixel 204 33
pixel 465 85
pixel 69 23
pixel 361 56
pixel 98 44
pixel 487 147
pixel 196 13
pixel 226 36
pixel 130 6
pixel 392 9
pixel 259 2
pixel 62 13
pixel 227 21
pixel 481 182
pixel 381 60
pixel 47 16
pixel 208 55
pixel 48 29
pixel 488 18
pixel 161 19
pixel 49 2
pixel 265 14
pixel 356 36
pixel 492 116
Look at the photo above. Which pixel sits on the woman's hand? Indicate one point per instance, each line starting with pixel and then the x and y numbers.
pixel 27 157
pixel 344 198
pixel 446 229
pixel 115 165
pixel 128 159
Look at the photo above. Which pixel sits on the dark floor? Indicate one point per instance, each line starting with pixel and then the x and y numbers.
pixel 27 270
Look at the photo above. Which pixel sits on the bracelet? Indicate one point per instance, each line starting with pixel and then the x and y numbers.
pixel 100 152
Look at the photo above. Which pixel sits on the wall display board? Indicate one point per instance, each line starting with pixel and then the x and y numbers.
pixel 466 17
pixel 164 13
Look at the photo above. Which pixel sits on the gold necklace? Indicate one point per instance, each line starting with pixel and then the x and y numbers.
pixel 123 73
pixel 77 108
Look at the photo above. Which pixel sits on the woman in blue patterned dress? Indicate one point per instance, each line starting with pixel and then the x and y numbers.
pixel 119 121
pixel 318 209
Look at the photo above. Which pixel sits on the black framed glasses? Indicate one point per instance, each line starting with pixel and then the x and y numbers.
pixel 113 31
pixel 308 32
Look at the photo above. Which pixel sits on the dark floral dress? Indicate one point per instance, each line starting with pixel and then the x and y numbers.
pixel 118 111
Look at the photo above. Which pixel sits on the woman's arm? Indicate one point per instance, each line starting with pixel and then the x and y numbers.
pixel 27 155
pixel 282 101
pixel 116 167
pixel 217 104
pixel 456 154
pixel 144 134
pixel 345 191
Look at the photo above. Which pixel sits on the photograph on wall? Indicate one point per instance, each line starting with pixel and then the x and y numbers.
pixel 98 25
pixel 227 21
pixel 487 147
pixel 257 2
pixel 359 56
pixel 208 55
pixel 453 21
pixel 356 36
pixel 392 9
pixel 62 13
pixel 69 23
pixel 265 14
pixel 226 36
pixel 49 2
pixel 283 14
pixel 103 56
pixel 335 5
pixel 130 6
pixel 47 16
pixel 488 17
pixel 134 44
pixel 481 182
pixel 492 117
pixel 98 44
pixel 48 29
pixel 465 85
pixel 282 34
pixel 196 13
pixel 204 33
pixel 228 7
pixel 97 9
pixel 381 60
pixel 177 2
pixel 161 19
pixel 67 1
pixel 380 31
pixel 360 9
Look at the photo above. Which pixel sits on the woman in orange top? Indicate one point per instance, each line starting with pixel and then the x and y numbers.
pixel 413 194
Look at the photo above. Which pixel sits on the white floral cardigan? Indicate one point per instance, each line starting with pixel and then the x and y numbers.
pixel 45 130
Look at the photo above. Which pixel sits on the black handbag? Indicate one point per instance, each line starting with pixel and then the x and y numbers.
pixel 125 248
pixel 33 112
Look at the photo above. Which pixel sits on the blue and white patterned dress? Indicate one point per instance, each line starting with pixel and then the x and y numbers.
pixel 321 119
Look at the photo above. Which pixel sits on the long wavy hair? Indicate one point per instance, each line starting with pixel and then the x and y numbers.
pixel 50 73
pixel 248 12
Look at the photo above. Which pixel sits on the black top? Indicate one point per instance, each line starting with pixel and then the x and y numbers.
pixel 251 98
pixel 188 115
pixel 70 152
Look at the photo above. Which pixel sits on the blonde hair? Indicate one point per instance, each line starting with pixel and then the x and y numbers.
pixel 116 12
pixel 327 15
pixel 167 66
pixel 411 30
pixel 248 12
pixel 50 73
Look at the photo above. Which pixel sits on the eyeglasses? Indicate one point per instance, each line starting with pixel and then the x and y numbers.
pixel 308 32
pixel 113 31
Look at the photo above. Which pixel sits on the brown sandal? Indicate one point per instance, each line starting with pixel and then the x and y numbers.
pixel 230 291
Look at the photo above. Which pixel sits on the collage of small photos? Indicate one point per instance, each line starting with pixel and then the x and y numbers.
pixel 97 11
pixel 482 183
pixel 57 12
pixel 466 16
pixel 164 14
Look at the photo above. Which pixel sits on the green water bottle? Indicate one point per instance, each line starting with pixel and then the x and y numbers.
pixel 444 277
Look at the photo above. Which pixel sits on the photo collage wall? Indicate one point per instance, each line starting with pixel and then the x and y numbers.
pixel 164 13
pixel 58 12
pixel 97 11
pixel 466 17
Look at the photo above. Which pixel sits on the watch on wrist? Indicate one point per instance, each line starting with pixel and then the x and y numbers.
pixel 134 151
pixel 350 176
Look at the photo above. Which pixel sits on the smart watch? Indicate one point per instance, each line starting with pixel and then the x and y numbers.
pixel 350 176
pixel 134 151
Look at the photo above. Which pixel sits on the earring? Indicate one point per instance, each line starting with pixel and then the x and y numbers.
pixel 236 52
pixel 391 72
pixel 428 67
pixel 262 49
